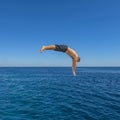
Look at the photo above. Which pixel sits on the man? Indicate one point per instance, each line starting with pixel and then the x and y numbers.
pixel 67 50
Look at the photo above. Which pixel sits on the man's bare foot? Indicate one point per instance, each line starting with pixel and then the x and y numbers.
pixel 42 49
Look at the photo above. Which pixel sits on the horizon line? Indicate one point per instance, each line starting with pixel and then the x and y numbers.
pixel 58 66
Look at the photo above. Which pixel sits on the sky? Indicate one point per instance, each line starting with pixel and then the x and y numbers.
pixel 91 27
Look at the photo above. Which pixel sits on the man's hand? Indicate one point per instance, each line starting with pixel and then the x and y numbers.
pixel 74 73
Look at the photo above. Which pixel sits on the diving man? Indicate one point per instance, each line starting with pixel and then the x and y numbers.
pixel 69 51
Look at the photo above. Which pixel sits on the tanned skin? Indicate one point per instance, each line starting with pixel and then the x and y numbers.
pixel 69 52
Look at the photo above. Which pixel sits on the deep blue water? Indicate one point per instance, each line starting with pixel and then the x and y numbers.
pixel 55 94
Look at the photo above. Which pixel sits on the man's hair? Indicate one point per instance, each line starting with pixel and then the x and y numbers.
pixel 78 59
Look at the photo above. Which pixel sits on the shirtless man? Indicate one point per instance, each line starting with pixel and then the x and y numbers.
pixel 67 50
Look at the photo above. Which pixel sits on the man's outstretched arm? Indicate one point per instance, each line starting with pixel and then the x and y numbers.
pixel 74 67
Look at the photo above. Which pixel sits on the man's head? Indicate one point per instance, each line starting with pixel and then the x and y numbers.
pixel 78 59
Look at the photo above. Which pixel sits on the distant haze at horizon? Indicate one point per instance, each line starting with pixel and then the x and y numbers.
pixel 92 28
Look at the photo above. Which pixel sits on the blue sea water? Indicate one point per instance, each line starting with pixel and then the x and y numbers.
pixel 33 93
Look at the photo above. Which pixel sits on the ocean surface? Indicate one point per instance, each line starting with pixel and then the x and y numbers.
pixel 53 93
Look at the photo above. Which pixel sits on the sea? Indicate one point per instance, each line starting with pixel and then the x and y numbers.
pixel 53 93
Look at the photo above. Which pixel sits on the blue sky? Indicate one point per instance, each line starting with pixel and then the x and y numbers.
pixel 91 27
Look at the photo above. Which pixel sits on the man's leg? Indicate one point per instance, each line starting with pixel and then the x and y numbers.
pixel 50 47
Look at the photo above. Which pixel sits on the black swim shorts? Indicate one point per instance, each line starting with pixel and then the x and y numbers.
pixel 61 48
